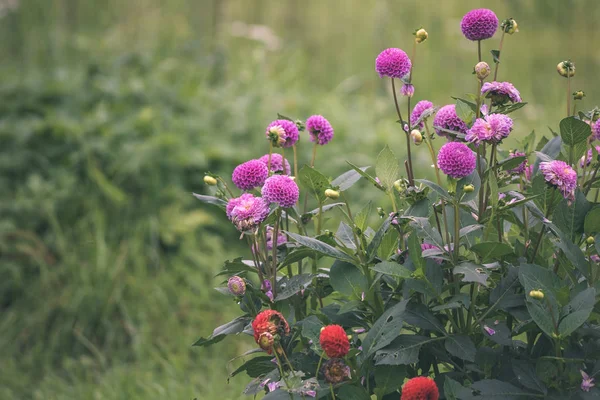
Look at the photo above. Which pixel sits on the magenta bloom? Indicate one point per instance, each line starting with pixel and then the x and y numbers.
pixel 560 175
pixel 587 382
pixel 446 118
pixel 320 129
pixel 247 211
pixel 420 108
pixel 281 238
pixel 596 130
pixel 281 190
pixel 500 92
pixel 393 63
pixel 250 174
pixel 588 157
pixel 456 160
pixel 407 90
pixel 479 24
pixel 427 246
pixel 519 169
pixel 491 129
pixel 286 132
pixel 277 163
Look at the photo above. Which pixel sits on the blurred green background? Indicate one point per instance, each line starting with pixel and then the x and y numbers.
pixel 110 112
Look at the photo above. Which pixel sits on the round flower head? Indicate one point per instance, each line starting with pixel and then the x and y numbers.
pixel 596 130
pixel 519 169
pixel 334 341
pixel 247 211
pixel 407 90
pixel 491 129
pixel 420 108
pixel 281 190
pixel 482 70
pixel 500 92
pixel 320 129
pixel 446 118
pixel 420 388
pixel 336 371
pixel 250 174
pixel 560 175
pixel 271 322
pixel 479 24
pixel 587 159
pixel 427 246
pixel 236 285
pixel 277 163
pixel 393 63
pixel 282 133
pixel 456 160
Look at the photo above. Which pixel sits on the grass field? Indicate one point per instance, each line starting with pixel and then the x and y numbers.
pixel 110 114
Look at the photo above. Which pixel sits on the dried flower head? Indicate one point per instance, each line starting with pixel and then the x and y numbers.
pixel 282 133
pixel 393 63
pixel 500 93
pixel 250 174
pixel 247 212
pixel 281 190
pixel 420 388
pixel 336 371
pixel 560 175
pixel 320 129
pixel 456 160
pixel 479 24
pixel 271 322
pixel 334 341
pixel 446 118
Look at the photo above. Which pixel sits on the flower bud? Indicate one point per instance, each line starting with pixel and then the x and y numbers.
pixel 417 137
pixel 510 26
pixel 209 180
pixel 398 185
pixel 537 294
pixel 236 285
pixel 482 70
pixel 332 194
pixel 566 68
pixel 468 188
pixel 380 212
pixel 578 95
pixel 590 240
pixel 407 90
pixel 421 35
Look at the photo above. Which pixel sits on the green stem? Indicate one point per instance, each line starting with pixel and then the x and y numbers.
pixel 269 159
pixel 471 307
pixel 274 254
pixel 332 392
pixel 407 134
pixel 499 53
pixel 568 91
pixel 479 50
pixel 319 365
pixel 456 229
pixel 283 376
pixel 539 240
pixel 295 161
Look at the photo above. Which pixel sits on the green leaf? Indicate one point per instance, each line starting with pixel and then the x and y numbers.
pixel 461 347
pixel 364 174
pixel 320 247
pixel 472 273
pixel 504 292
pixel 464 111
pixel 346 180
pixel 378 238
pixel 347 279
pixel 510 163
pixel 388 378
pixel 425 230
pixel 292 286
pixel 495 56
pixel 384 330
pixel 543 316
pixel 387 168
pixel 492 388
pixel 353 392
pixel 580 308
pixel 414 250
pixel 472 179
pixel 361 218
pixel 534 277
pixel 403 350
pixel 574 130
pixel 570 219
pixel 550 149
pixel 436 188
pixel 211 200
pixel 592 221
pixel 255 367
pixel 311 330
pixel 389 245
pixel 231 328
pixel 393 269
pixel 419 315
pixel 491 251
pixel 314 181
pixel 525 373
pixel 508 108
pixel 571 250
pixel 296 255
pixel 454 390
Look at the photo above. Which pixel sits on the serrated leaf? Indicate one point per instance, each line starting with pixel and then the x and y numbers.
pixel 461 347
pixel 570 218
pixel 385 329
pixel 387 168
pixel 425 230
pixel 346 180
pixel 454 390
pixel 580 309
pixel 571 250
pixel 403 350
pixel 574 131
pixel 231 328
pixel 464 111
pixel 525 373
pixel 292 286
pixel 414 250
pixel 255 367
pixel 320 247
pixel 435 187
pixel 314 181
pixel 361 218
pixel 353 392
pixel 388 378
pixel 472 273
pixel 492 388
pixel 509 108
pixel 393 269
pixel 491 251
pixel 419 315
pixel 347 279
pixel 495 56
pixel 378 238
pixel 471 179
pixel 311 330
pixel 364 174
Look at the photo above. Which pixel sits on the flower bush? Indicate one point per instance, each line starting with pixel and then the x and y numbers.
pixel 479 285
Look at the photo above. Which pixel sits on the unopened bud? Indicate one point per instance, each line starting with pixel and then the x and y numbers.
pixel 590 240
pixel 209 180
pixel 380 212
pixel 332 194
pixel 468 188
pixel 277 135
pixel 537 294
pixel 398 185
pixel 236 286
pixel 421 35
pixel 482 70
pixel 510 26
pixel 579 95
pixel 566 68
pixel 417 137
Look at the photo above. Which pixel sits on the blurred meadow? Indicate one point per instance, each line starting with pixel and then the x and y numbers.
pixel 110 113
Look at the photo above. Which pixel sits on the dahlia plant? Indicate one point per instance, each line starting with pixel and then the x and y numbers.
pixel 480 284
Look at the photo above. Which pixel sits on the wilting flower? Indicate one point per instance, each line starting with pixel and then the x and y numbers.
pixel 334 341
pixel 392 62
pixel 407 90
pixel 236 285
pixel 519 169
pixel 277 163
pixel 250 174
pixel 421 107
pixel 456 160
pixel 446 118
pixel 491 129
pixel 427 246
pixel 247 211
pixel 587 159
pixel 587 382
pixel 336 371
pixel 566 68
pixel 268 324
pixel 320 129
pixel 482 70
pixel 596 130
pixel 281 190
pixel 479 24
pixel 420 388
pixel 560 175
pixel 282 133
pixel 500 92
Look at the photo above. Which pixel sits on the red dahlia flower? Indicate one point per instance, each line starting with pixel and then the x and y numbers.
pixel 271 322
pixel 334 341
pixel 420 388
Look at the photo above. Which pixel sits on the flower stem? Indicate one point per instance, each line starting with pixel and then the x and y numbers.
pixel 479 50
pixel 314 156
pixel 456 229
pixel 274 254
pixel 270 154
pixel 295 161
pixel 332 392
pixel 568 92
pixel 319 365
pixel 539 240
pixel 410 169
pixel 499 53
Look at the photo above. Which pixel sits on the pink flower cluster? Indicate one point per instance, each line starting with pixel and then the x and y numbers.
pixel 479 24
pixel 393 63
pixel 250 174
pixel 286 130
pixel 277 163
pixel 456 160
pixel 320 129
pixel 281 190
